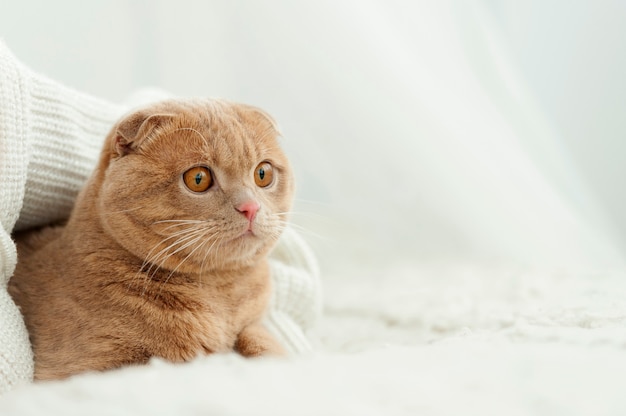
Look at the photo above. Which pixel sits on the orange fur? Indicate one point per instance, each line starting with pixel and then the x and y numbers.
pixel 145 267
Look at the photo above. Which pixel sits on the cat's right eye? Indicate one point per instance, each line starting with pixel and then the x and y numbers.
pixel 198 179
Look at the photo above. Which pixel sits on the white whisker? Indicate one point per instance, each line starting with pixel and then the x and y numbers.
pixel 180 221
pixel 188 240
pixel 190 254
pixel 284 224
pixel 122 211
pixel 163 254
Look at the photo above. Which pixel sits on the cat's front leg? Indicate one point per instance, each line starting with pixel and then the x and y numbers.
pixel 254 340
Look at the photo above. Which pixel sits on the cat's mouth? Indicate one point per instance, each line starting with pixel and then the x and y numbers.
pixel 249 232
pixel 243 233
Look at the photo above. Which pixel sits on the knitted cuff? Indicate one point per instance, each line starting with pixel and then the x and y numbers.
pixel 14 126
pixel 290 335
pixel 66 133
pixel 16 358
pixel 297 298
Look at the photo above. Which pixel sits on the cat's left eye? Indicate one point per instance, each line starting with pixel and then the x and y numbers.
pixel 198 179
pixel 264 174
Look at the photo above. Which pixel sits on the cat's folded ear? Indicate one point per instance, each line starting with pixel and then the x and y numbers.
pixel 260 115
pixel 135 128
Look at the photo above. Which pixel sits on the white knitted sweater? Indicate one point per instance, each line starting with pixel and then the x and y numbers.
pixel 50 138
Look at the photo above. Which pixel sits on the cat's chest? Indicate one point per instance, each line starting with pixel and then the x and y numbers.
pixel 186 321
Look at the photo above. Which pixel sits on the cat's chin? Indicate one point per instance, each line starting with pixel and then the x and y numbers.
pixel 247 234
pixel 248 241
pixel 240 250
pixel 250 244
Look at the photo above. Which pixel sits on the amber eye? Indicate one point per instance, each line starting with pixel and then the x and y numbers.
pixel 198 179
pixel 264 174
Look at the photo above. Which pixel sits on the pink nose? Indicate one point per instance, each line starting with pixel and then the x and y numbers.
pixel 249 209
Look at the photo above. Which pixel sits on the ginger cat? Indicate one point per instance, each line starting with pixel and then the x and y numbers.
pixel 165 252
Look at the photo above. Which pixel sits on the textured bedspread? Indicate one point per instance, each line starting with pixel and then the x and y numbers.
pixel 428 341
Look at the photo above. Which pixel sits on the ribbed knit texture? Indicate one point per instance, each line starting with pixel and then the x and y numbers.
pixel 297 299
pixel 66 135
pixel 16 363
pixel 50 139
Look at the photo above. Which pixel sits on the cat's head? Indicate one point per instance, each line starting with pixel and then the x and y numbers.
pixel 195 185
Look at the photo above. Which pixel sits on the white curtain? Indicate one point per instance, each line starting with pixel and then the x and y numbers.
pixel 420 131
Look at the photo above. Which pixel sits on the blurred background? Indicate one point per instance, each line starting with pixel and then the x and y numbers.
pixel 421 132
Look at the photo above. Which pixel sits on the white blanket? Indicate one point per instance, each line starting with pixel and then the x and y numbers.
pixel 470 341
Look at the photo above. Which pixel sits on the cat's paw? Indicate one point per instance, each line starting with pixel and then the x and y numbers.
pixel 255 341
